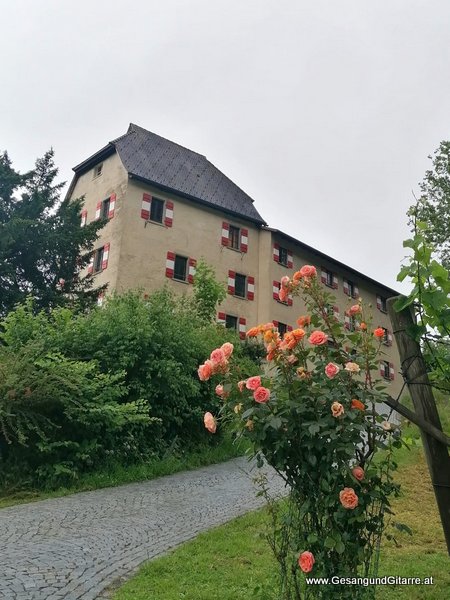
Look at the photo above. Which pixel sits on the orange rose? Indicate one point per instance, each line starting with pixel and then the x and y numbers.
pixel 357 404
pixel 219 390
pixel 358 473
pixel 296 277
pixel 308 271
pixel 318 338
pixel 253 332
pixel 298 334
pixel 283 294
pixel 261 395
pixel 218 356
pixel 205 371
pixel 379 332
pixel 227 349
pixel 363 326
pixel 348 498
pixel 337 409
pixel 306 561
pixel 210 422
pixel 303 321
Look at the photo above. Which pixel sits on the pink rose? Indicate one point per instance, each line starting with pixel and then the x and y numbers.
pixel 261 395
pixel 253 383
pixel 283 294
pixel 331 370
pixel 306 561
pixel 358 473
pixel 285 281
pixel 354 310
pixel 227 349
pixel 219 390
pixel 348 498
pixel 210 422
pixel 337 409
pixel 317 338
pixel 352 367
pixel 308 271
pixel 218 356
pixel 205 371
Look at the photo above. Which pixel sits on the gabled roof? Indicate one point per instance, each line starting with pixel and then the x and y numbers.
pixel 158 161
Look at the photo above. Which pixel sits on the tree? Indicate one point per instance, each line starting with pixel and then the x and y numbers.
pixel 42 246
pixel 208 292
pixel 433 205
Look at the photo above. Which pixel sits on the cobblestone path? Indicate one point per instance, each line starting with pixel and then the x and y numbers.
pixel 74 547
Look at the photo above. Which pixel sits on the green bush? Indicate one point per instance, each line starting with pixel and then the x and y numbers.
pixel 118 382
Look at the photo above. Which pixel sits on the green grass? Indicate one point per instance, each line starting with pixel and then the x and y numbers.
pixel 233 561
pixel 117 474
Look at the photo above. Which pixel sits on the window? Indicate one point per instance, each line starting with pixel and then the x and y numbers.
pixel 234 237
pixel 282 328
pixel 385 369
pixel 98 260
pixel 231 322
pixel 283 256
pixel 105 209
pixel 156 210
pixel 350 289
pixel 381 304
pixel 180 268
pixel 98 170
pixel 329 278
pixel 240 285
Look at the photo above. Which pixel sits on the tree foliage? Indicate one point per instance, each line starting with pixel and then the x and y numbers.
pixel 208 292
pixel 433 205
pixel 42 246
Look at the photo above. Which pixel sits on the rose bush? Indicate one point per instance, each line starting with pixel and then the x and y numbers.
pixel 312 414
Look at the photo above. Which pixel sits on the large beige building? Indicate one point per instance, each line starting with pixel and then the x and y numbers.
pixel 167 206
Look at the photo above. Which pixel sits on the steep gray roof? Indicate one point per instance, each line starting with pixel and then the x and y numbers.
pixel 156 160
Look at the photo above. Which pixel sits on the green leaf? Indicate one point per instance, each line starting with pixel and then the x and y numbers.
pixel 340 547
pixel 403 302
pixel 329 542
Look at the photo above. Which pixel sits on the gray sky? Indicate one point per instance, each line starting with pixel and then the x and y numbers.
pixel 323 111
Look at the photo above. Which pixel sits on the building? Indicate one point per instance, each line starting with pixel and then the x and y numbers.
pixel 167 206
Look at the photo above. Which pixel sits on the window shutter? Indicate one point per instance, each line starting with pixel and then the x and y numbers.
pixel 192 265
pixel 170 264
pixel 98 211
pixel 389 338
pixel 242 327
pixel 112 206
pixel 323 276
pixel 355 291
pixel 290 260
pixel 105 256
pixel 289 300
pixel 221 318
pixel 275 289
pixel 336 312
pixel 289 327
pixel 231 282
pixel 225 233
pixel 145 206
pixel 275 324
pixel 335 282
pixel 379 302
pixel 90 268
pixel 276 252
pixel 244 240
pixel 168 218
pixel 250 288
pixel 347 321
pixel 391 371
pixel 345 286
pixel 382 369
pixel 83 218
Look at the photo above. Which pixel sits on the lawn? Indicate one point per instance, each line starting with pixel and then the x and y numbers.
pixel 233 561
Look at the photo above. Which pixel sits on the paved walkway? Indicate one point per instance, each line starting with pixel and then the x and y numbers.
pixel 74 547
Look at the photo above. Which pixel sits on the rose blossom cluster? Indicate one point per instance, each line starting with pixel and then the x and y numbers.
pixel 217 363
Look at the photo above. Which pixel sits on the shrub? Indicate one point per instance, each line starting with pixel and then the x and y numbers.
pixel 312 414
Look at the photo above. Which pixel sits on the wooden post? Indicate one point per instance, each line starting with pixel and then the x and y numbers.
pixel 415 374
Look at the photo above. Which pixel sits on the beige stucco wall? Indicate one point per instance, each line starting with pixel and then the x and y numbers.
pixel 113 179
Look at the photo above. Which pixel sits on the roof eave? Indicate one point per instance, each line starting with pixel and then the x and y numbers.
pixel 333 260
pixel 259 222
pixel 90 162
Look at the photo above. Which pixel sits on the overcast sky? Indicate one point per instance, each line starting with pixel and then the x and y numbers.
pixel 324 111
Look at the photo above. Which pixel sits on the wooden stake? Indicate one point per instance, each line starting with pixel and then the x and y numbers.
pixel 415 374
